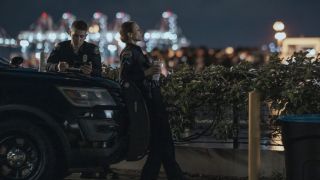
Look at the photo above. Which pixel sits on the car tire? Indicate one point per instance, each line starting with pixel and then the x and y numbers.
pixel 26 152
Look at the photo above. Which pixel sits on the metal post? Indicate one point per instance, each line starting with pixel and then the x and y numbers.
pixel 254 135
pixel 236 126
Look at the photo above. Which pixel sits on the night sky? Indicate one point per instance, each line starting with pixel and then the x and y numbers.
pixel 214 23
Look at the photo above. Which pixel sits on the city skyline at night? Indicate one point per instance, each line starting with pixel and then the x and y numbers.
pixel 214 23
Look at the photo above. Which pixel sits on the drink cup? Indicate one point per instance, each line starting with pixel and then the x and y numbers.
pixel 157 63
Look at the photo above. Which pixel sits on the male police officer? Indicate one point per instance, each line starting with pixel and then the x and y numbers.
pixel 76 53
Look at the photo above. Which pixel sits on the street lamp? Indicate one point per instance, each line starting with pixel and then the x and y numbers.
pixel 279 35
pixel 278 26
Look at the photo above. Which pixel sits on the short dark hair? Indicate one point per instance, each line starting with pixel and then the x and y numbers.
pixel 126 27
pixel 79 25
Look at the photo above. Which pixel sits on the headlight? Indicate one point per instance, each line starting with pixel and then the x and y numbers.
pixel 87 97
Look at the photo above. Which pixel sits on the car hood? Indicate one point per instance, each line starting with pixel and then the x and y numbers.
pixel 75 79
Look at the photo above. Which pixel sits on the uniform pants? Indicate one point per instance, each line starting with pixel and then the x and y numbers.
pixel 161 144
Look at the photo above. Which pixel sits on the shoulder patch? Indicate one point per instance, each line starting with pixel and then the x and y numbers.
pixel 96 50
pixel 127 54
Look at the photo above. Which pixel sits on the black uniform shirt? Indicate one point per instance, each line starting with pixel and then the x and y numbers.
pixel 63 51
pixel 133 65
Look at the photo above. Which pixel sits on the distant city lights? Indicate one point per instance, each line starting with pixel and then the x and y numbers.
pixel 107 37
pixel 229 50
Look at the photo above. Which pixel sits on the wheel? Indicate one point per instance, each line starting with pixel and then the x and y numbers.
pixel 26 152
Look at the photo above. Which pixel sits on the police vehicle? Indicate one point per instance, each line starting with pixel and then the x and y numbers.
pixel 55 123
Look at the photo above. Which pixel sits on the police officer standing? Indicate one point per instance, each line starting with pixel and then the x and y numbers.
pixel 82 57
pixel 136 68
pixel 76 54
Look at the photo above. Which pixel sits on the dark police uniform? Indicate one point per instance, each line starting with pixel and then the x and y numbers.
pixel 88 52
pixel 133 65
pixel 63 51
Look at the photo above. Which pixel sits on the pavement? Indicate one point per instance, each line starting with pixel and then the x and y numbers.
pixel 135 175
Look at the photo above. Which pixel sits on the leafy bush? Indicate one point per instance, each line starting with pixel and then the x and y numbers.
pixel 292 87
pixel 217 89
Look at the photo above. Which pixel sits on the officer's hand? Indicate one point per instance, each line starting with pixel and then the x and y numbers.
pixel 63 66
pixel 86 69
pixel 152 70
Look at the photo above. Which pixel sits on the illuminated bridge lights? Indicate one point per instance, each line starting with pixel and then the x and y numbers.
pixel 43 37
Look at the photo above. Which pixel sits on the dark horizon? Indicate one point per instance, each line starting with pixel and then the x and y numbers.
pixel 213 23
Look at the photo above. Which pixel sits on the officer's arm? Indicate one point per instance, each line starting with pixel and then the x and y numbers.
pixel 96 63
pixel 53 59
pixel 131 69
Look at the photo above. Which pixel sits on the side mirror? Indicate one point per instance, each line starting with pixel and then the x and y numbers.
pixel 16 61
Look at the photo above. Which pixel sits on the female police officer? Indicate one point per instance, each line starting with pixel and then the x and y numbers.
pixel 136 68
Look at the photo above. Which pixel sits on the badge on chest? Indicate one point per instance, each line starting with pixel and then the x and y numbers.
pixel 84 59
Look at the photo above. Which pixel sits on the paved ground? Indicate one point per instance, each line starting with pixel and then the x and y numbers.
pixel 134 175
